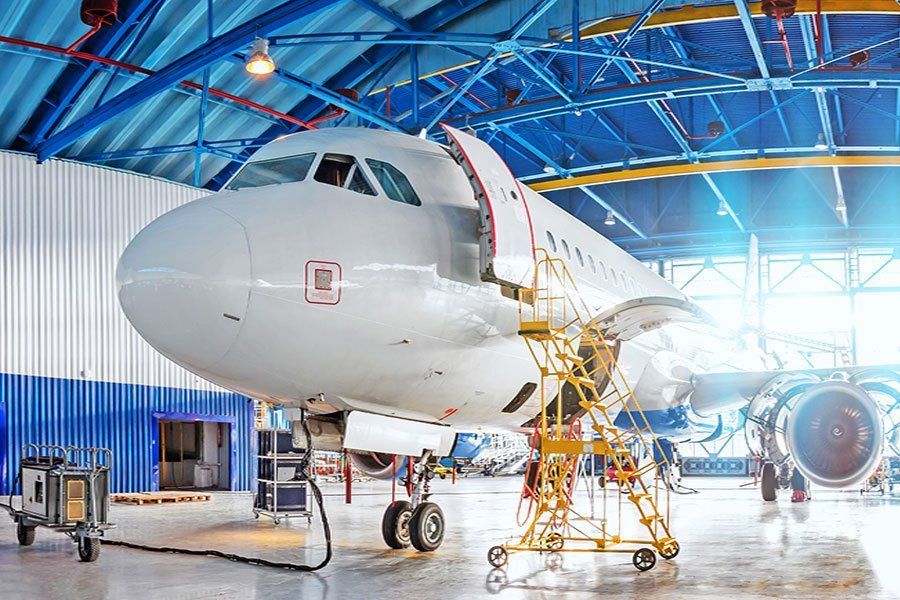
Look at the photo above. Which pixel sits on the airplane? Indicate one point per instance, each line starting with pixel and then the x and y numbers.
pixel 366 281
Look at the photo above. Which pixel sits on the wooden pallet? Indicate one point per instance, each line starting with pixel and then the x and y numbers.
pixel 160 498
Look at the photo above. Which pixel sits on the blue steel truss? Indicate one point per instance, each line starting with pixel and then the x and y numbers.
pixel 555 104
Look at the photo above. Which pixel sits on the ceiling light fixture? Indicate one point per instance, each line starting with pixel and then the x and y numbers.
pixel 841 204
pixel 610 218
pixel 259 62
pixel 821 144
pixel 722 210
pixel 549 170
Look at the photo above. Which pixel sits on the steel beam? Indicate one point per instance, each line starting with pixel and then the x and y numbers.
pixel 360 69
pixel 625 40
pixel 188 64
pixel 75 78
pixel 726 166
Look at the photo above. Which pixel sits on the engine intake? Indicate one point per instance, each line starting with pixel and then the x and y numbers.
pixel 835 433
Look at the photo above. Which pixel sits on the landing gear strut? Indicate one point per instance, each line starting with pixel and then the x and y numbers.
pixel 417 522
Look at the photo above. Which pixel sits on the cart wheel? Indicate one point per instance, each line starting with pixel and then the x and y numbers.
pixel 554 541
pixel 644 559
pixel 25 534
pixel 88 549
pixel 497 556
pixel 255 515
pixel 277 521
pixel 671 552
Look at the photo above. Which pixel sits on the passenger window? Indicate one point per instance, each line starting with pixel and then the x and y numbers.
pixel 271 172
pixel 552 241
pixel 344 172
pixel 565 246
pixel 580 257
pixel 602 269
pixel 393 182
pixel 592 264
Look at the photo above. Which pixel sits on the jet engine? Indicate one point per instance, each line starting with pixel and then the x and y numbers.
pixel 376 465
pixel 835 434
pixel 832 430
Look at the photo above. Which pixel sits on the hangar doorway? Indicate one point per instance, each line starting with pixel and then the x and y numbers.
pixel 194 454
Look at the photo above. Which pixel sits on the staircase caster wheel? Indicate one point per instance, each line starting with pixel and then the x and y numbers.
pixel 395 524
pixel 671 551
pixel 278 521
pixel 255 515
pixel 498 556
pixel 554 542
pixel 768 484
pixel 88 549
pixel 25 534
pixel 644 559
pixel 426 527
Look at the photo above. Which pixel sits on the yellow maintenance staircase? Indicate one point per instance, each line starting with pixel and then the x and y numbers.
pixel 571 348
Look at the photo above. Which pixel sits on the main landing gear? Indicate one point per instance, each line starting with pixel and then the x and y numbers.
pixel 417 522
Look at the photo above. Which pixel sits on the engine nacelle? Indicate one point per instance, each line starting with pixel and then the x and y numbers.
pixel 835 433
pixel 376 465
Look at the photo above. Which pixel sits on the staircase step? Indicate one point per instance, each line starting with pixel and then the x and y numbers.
pixel 638 497
pixel 572 358
pixel 650 519
pixel 583 381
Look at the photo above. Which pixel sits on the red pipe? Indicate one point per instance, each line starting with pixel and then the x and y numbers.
pixel 136 69
pixel 348 479
pixel 84 38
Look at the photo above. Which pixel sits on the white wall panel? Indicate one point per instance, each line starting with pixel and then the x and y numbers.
pixel 63 226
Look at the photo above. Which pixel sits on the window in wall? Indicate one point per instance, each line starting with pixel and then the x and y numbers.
pixel 271 172
pixel 579 256
pixel 552 241
pixel 393 182
pixel 565 246
pixel 343 171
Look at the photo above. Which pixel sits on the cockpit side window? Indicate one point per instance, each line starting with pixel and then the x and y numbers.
pixel 343 171
pixel 393 182
pixel 270 172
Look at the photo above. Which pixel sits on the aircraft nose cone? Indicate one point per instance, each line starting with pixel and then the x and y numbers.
pixel 184 283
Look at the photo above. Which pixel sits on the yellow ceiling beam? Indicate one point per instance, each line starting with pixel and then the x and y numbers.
pixel 725 166
pixel 705 14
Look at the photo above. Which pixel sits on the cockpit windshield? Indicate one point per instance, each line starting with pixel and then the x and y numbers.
pixel 274 171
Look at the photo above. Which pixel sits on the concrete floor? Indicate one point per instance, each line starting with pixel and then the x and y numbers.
pixel 840 545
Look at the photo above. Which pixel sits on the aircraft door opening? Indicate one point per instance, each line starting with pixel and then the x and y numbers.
pixel 194 455
pixel 507 238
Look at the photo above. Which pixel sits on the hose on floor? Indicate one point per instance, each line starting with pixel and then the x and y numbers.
pixel 307 468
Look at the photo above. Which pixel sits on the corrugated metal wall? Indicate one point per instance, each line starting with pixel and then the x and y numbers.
pixel 72 369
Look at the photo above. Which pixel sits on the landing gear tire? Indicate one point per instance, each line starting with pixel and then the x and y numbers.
pixel 24 534
pixel 643 559
pixel 768 484
pixel 426 527
pixel 497 556
pixel 671 552
pixel 88 549
pixel 395 524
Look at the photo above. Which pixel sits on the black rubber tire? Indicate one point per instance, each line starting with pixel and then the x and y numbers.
pixel 395 524
pixel 88 549
pixel 643 559
pixel 25 534
pixel 672 553
pixel 497 556
pixel 768 482
pixel 426 527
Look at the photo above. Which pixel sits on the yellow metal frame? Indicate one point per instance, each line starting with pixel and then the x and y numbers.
pixel 569 347
pixel 746 164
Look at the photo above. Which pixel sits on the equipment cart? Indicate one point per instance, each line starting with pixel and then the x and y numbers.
pixel 282 485
pixel 67 490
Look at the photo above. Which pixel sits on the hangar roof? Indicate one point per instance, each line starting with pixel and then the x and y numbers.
pixel 693 124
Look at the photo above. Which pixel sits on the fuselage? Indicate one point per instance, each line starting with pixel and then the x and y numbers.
pixel 341 299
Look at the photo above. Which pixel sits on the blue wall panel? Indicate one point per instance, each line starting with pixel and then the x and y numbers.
pixel 46 410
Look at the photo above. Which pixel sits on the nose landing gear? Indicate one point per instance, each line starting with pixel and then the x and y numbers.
pixel 417 522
